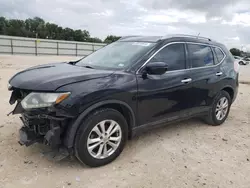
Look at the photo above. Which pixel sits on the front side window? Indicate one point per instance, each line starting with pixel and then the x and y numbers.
pixel 200 55
pixel 173 55
pixel 117 55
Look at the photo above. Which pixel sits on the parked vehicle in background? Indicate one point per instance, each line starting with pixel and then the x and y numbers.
pixel 90 107
pixel 242 60
pixel 246 59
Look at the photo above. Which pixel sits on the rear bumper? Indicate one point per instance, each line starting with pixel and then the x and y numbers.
pixel 236 88
pixel 235 94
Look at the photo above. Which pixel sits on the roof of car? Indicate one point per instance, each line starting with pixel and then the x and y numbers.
pixel 178 37
pixel 141 38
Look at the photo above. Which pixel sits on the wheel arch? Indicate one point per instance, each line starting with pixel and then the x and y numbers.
pixel 230 91
pixel 120 106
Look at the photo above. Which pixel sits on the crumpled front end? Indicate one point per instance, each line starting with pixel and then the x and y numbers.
pixel 43 125
pixel 43 128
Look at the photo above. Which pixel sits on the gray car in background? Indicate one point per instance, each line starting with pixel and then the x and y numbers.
pixel 242 60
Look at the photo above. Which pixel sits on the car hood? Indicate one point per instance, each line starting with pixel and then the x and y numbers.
pixel 49 77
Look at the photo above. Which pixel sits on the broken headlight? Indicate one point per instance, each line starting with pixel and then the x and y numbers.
pixel 41 100
pixel 9 86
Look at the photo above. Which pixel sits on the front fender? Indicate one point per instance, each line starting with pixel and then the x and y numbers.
pixel 72 129
pixel 85 94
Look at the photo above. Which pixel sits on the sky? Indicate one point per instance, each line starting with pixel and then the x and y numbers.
pixel 226 21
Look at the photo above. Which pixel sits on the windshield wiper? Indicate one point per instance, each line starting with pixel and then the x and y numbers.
pixel 87 66
pixel 74 62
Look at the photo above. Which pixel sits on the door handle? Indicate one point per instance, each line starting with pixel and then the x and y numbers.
pixel 219 73
pixel 187 80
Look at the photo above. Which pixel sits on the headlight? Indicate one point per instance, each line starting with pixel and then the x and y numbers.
pixel 9 86
pixel 41 100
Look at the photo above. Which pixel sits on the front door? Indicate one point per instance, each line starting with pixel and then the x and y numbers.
pixel 165 97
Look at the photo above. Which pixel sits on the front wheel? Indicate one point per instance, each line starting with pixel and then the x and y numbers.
pixel 220 109
pixel 101 137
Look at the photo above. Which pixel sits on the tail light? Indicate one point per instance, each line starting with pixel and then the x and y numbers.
pixel 236 66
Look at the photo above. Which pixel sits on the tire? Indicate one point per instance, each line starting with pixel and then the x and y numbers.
pixel 85 133
pixel 211 118
pixel 241 63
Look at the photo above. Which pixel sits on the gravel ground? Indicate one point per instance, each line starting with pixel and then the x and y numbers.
pixel 187 154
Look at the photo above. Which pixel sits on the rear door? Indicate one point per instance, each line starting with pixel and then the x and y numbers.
pixel 206 74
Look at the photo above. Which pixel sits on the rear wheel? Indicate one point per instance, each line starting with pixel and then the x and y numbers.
pixel 241 63
pixel 101 138
pixel 220 109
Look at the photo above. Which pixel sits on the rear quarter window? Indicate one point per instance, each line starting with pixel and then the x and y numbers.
pixel 219 55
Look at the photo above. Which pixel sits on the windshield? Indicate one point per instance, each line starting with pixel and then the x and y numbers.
pixel 117 55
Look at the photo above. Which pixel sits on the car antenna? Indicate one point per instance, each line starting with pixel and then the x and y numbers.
pixel 198 35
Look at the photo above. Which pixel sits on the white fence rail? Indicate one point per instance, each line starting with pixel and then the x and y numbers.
pixel 32 46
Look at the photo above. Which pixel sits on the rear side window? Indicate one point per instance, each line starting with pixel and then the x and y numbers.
pixel 219 54
pixel 200 55
pixel 173 55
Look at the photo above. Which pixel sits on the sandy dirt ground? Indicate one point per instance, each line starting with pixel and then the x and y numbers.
pixel 187 154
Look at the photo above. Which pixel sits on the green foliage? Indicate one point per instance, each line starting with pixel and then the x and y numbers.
pixel 38 28
pixel 2 25
pixel 95 39
pixel 111 38
pixel 235 51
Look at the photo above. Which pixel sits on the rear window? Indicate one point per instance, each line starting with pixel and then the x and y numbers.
pixel 200 55
pixel 219 54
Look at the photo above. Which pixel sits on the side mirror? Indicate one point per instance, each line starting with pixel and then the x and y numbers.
pixel 156 68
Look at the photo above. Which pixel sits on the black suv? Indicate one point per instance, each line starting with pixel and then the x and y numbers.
pixel 90 107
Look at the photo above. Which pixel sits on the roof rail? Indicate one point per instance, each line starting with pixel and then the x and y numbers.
pixel 183 35
pixel 129 36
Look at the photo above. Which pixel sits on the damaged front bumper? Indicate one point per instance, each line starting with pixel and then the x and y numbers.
pixel 45 129
pixel 40 128
pixel 42 125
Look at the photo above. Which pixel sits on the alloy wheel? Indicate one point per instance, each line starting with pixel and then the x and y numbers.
pixel 104 139
pixel 221 108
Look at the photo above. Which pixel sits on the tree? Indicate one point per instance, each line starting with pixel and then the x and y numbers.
pixel 111 38
pixel 37 27
pixel 3 23
pixel 15 27
pixel 235 51
pixel 95 39
pixel 80 35
pixel 51 30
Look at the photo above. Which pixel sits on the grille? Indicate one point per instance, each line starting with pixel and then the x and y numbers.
pixel 38 125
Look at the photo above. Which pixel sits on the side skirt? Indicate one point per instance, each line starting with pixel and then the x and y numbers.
pixel 166 121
